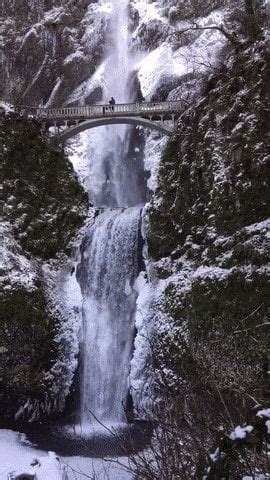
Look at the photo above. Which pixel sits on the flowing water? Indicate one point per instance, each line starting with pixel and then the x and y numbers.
pixel 108 269
pixel 111 249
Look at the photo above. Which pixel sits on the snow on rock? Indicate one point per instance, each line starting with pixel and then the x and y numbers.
pixel 260 476
pixel 166 62
pixel 152 155
pixel 44 468
pixel 77 154
pixel 217 455
pixel 95 23
pixel 47 467
pixel 78 55
pixel 240 432
pixel 138 378
pixel 197 56
pixel 53 16
pixel 264 413
pixel 149 317
pixel 17 269
pixel 6 106
pixel 260 226
pixel 64 295
pixel 153 67
pixel 96 81
pixel 212 273
pixel 148 11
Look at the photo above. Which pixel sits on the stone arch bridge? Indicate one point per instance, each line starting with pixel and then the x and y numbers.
pixel 69 121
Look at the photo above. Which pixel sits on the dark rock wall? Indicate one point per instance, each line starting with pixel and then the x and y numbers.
pixel 43 208
pixel 207 227
pixel 213 177
pixel 47 51
pixel 43 200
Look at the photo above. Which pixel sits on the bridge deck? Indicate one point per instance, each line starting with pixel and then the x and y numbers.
pixel 100 111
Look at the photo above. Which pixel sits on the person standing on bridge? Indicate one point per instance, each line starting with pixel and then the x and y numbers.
pixel 112 103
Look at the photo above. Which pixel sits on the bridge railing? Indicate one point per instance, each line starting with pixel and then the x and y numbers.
pixel 109 110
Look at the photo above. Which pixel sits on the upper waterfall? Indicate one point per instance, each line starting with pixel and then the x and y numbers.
pixel 114 179
pixel 118 65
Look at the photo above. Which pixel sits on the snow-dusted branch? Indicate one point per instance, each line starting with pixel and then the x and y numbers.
pixel 231 37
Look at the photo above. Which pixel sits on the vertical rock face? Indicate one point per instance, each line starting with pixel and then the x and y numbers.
pixel 49 49
pixel 204 304
pixel 39 187
pixel 220 148
pixel 43 208
pixel 207 236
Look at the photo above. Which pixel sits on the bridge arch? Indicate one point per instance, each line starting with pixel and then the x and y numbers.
pixel 88 124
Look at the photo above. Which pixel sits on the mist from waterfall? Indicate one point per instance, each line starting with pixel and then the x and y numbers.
pixel 110 251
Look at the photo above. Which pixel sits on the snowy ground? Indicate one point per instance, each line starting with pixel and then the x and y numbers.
pixel 16 455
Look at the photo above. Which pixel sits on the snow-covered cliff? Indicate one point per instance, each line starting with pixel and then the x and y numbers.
pixel 43 209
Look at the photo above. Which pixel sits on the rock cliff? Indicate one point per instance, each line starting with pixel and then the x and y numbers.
pixel 207 230
pixel 43 208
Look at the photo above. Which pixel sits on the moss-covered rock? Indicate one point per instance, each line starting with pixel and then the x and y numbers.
pixel 26 343
pixel 213 178
pixel 208 225
pixel 43 208
pixel 42 197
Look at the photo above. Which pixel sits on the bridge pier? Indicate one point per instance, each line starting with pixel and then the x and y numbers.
pixel 174 119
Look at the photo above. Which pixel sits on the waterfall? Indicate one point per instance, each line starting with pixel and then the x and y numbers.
pixel 110 249
pixel 109 267
pixel 114 180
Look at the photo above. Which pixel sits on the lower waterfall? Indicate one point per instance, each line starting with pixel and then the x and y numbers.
pixel 108 269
